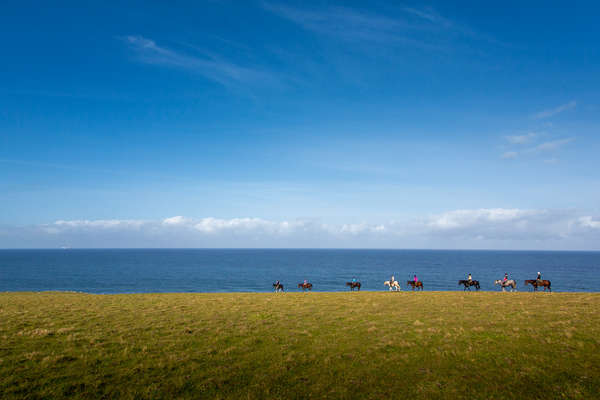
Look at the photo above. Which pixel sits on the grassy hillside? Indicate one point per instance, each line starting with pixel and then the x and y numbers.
pixel 313 345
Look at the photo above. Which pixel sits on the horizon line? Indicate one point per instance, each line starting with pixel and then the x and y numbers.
pixel 292 248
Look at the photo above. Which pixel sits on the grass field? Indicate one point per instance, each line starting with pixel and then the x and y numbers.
pixel 295 345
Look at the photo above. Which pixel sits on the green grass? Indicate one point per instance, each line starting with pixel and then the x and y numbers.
pixel 295 345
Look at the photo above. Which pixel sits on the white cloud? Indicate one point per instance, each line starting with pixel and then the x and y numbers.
pixel 98 224
pixel 553 111
pixel 469 228
pixel 553 145
pixel 414 27
pixel 544 147
pixel 177 220
pixel 215 225
pixel 509 154
pixel 210 66
pixel 589 222
pixel 521 139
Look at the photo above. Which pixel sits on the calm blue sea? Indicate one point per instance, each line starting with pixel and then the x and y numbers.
pixel 180 270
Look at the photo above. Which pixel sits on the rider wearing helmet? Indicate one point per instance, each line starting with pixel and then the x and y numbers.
pixel 470 278
pixel 505 277
pixel 539 278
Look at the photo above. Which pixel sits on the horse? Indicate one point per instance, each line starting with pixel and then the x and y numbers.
pixel 417 284
pixel 393 286
pixel 353 285
pixel 278 287
pixel 508 283
pixel 305 286
pixel 534 282
pixel 468 284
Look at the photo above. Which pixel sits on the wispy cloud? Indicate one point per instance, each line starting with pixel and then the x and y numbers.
pixel 430 15
pixel 553 145
pixel 341 22
pixel 209 66
pixel 355 25
pixel 521 139
pixel 553 111
pixel 509 155
pixel 524 144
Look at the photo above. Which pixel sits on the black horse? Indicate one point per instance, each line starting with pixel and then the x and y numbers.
pixel 278 287
pixel 468 284
pixel 353 285
pixel 417 284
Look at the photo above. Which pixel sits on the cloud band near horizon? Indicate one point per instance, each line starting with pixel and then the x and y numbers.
pixel 486 228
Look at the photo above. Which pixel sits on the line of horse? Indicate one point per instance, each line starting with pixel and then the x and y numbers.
pixel 509 284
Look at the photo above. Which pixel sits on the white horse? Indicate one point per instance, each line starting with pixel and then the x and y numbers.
pixel 393 286
pixel 509 283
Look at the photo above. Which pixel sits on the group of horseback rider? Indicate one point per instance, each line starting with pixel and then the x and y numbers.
pixel 469 282
pixel 393 279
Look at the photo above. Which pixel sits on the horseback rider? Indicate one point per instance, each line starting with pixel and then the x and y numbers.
pixel 354 280
pixel 505 277
pixel 277 283
pixel 392 281
pixel 470 278
pixel 415 279
pixel 538 280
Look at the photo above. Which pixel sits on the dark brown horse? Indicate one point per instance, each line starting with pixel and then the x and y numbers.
pixel 534 282
pixel 278 287
pixel 468 284
pixel 417 284
pixel 305 286
pixel 353 285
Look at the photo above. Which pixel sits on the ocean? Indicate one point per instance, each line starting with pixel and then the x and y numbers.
pixel 255 270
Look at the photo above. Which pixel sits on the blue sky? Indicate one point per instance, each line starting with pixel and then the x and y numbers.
pixel 300 124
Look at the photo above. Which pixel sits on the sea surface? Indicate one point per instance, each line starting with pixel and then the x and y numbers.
pixel 200 270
